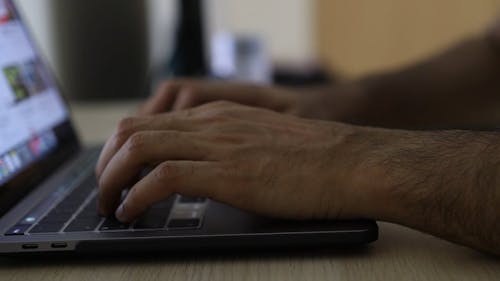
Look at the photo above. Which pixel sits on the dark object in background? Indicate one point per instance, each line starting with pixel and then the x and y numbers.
pixel 189 58
pixel 302 75
pixel 102 47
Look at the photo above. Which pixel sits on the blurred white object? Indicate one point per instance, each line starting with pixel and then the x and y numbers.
pixel 240 58
pixel 162 24
pixel 286 26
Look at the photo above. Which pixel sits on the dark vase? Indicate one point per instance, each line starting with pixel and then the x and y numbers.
pixel 101 47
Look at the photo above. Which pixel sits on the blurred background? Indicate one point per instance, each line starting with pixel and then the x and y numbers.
pixel 309 41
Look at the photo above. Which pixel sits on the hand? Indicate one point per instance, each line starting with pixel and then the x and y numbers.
pixel 286 167
pixel 254 159
pixel 338 103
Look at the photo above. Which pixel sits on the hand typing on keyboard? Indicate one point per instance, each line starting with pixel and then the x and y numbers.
pixel 253 159
pixel 287 167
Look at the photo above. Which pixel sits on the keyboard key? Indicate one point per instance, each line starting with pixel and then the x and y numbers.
pixel 90 211
pixel 156 217
pixel 152 220
pixel 87 213
pixel 113 224
pixel 58 216
pixel 184 223
pixel 46 228
pixel 50 225
pixel 164 205
pixel 18 230
pixel 55 219
pixel 83 225
pixel 87 220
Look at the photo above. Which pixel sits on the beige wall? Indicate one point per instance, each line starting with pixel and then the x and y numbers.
pixel 286 25
pixel 360 36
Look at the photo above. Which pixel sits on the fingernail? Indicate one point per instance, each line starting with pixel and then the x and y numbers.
pixel 120 215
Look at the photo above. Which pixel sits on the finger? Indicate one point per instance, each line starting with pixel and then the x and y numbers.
pixel 200 92
pixel 182 177
pixel 142 150
pixel 162 100
pixel 188 98
pixel 129 126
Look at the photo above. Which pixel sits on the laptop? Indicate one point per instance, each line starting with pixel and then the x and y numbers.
pixel 48 190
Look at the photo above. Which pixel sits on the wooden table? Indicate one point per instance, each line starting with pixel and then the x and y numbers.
pixel 400 253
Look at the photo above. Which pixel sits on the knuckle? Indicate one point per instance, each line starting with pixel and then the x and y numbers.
pixel 169 86
pixel 166 172
pixel 136 143
pixel 187 113
pixel 170 137
pixel 119 139
pixel 221 104
pixel 227 139
pixel 191 94
pixel 126 125
pixel 216 119
pixel 225 108
pixel 215 113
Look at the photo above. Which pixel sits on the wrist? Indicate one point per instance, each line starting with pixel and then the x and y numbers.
pixel 359 174
pixel 379 174
pixel 445 184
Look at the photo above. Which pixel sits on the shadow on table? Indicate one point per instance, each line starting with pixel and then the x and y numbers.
pixel 57 260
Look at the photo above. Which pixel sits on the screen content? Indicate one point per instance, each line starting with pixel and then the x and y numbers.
pixel 30 104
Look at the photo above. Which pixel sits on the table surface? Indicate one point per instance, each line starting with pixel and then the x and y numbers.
pixel 400 253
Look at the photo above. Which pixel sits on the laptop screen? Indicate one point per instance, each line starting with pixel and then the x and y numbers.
pixel 34 120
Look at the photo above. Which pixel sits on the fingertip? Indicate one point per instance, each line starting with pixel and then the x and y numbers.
pixel 120 214
pixel 123 214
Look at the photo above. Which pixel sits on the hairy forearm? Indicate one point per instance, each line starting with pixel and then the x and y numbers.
pixel 443 183
pixel 456 89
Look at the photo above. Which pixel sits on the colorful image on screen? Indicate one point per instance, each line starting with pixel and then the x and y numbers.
pixel 5 14
pixel 31 107
pixel 25 80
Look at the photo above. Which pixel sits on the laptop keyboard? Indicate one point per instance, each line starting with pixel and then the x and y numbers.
pixel 77 212
pixel 62 213
pixel 86 220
